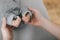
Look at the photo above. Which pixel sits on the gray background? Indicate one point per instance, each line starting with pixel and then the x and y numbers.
pixel 27 32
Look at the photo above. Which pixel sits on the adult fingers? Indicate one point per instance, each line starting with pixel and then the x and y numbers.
pixel 4 22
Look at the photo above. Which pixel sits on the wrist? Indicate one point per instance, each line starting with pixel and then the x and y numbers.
pixel 42 21
pixel 7 38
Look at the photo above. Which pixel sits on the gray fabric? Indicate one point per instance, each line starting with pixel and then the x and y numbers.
pixel 26 32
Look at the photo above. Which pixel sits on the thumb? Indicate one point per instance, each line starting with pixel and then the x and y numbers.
pixel 33 10
pixel 4 22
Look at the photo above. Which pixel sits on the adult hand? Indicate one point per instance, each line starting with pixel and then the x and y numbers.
pixel 36 19
pixel 7 31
